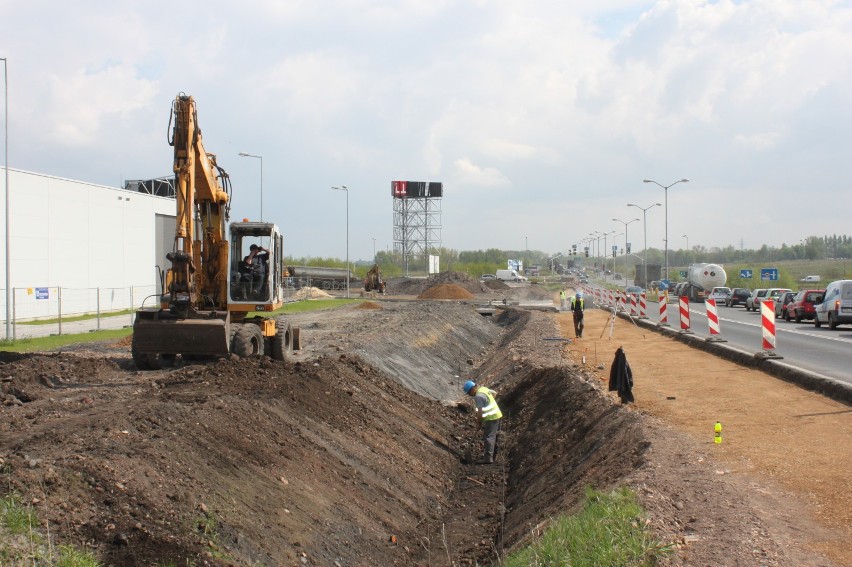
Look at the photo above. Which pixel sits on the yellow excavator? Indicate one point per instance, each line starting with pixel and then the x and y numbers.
pixel 219 273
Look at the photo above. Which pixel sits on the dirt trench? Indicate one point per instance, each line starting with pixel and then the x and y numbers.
pixel 354 454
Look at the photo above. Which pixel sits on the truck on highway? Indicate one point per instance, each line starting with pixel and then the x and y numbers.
pixel 701 279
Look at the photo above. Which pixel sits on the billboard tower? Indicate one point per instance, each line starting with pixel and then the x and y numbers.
pixel 416 219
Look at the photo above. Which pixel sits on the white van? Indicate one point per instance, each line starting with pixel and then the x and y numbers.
pixel 810 279
pixel 508 275
pixel 836 306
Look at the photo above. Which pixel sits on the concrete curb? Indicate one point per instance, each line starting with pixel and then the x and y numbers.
pixel 819 383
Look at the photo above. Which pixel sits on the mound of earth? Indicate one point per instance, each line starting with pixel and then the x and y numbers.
pixel 446 291
pixel 416 286
pixel 368 305
pixel 310 293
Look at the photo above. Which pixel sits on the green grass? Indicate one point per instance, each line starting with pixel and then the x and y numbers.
pixel 609 530
pixel 21 542
pixel 73 318
pixel 58 341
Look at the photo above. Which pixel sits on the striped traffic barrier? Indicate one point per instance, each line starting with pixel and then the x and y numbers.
pixel 643 306
pixel 683 303
pixel 713 322
pixel 767 317
pixel 633 311
pixel 664 309
pixel 611 300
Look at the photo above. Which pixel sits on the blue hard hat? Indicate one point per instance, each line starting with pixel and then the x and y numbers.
pixel 468 386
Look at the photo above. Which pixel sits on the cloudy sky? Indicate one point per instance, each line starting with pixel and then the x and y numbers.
pixel 541 118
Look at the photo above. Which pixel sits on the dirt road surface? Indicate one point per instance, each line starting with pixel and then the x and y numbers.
pixel 358 451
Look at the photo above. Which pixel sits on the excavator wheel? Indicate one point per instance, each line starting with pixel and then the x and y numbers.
pixel 247 341
pixel 148 361
pixel 282 342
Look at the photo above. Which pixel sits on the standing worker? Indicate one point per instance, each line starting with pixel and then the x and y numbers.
pixel 577 311
pixel 488 415
pixel 563 300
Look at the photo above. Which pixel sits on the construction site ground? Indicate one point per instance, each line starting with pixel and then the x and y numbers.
pixel 359 450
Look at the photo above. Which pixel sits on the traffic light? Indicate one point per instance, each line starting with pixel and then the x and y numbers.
pixel 628 248
pixel 613 251
pixel 587 251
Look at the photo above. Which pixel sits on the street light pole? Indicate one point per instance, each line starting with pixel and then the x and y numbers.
pixel 344 188
pixel 666 191
pixel 625 245
pixel 374 249
pixel 645 230
pixel 244 154
pixel 8 232
pixel 687 248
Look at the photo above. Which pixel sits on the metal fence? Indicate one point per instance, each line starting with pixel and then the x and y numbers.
pixel 43 311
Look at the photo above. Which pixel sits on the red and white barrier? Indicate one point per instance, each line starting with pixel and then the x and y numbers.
pixel 633 311
pixel 643 306
pixel 713 322
pixel 683 303
pixel 767 316
pixel 611 301
pixel 664 309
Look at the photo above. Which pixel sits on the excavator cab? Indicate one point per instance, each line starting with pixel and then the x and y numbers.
pixel 254 265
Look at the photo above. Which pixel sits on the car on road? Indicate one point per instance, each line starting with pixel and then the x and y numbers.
pixel 836 306
pixel 634 289
pixel 737 296
pixel 802 306
pixel 719 294
pixel 775 294
pixel 753 302
pixel 487 277
pixel 782 302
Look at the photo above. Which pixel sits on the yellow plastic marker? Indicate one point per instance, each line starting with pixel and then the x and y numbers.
pixel 718 432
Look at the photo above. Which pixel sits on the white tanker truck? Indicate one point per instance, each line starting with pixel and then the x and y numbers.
pixel 701 279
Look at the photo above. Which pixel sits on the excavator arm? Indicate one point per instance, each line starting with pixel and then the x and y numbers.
pixel 197 279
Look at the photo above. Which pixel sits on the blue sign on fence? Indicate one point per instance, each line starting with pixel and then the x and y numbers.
pixel 42 293
pixel 769 274
pixel 746 274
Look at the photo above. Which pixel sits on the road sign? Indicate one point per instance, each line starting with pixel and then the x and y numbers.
pixel 683 274
pixel 664 285
pixel 769 274
pixel 746 274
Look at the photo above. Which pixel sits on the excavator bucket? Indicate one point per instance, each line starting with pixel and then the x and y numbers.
pixel 156 333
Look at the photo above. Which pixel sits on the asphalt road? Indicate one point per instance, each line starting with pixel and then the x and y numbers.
pixel 822 351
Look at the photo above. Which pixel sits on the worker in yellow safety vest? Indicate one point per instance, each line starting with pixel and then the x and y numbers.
pixel 577 307
pixel 563 300
pixel 489 415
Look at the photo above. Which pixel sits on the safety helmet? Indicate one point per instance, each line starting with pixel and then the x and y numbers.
pixel 468 386
pixel 579 295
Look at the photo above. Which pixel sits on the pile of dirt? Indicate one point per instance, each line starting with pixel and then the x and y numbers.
pixel 446 291
pixel 368 305
pixel 416 286
pixel 496 285
pixel 310 293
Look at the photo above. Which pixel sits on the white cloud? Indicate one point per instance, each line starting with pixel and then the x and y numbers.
pixel 543 102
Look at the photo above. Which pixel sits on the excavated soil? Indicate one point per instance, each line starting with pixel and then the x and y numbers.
pixel 357 451
pixel 446 291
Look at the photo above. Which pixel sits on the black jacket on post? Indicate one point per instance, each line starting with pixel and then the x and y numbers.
pixel 621 377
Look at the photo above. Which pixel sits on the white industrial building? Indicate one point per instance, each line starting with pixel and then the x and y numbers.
pixel 79 248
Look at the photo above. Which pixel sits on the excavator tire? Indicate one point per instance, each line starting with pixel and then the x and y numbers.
pixel 282 342
pixel 248 341
pixel 147 361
